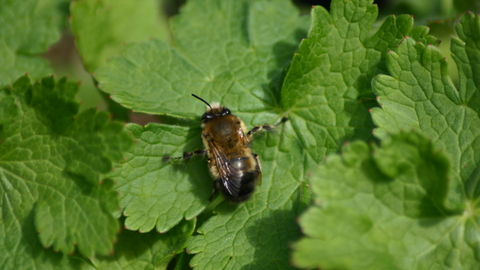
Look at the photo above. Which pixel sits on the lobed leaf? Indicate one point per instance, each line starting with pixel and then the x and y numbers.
pixel 421 96
pixel 51 162
pixel 155 52
pixel 384 208
pixel 413 203
pixel 154 193
pixel 27 28
pixel 465 50
pixel 327 88
pixel 102 27
pixel 218 56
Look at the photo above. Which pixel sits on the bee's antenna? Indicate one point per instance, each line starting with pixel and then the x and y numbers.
pixel 202 100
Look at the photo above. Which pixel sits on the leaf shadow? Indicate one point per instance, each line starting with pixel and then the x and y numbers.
pixel 424 209
pixel 272 250
pixel 31 245
pixel 283 53
pixel 196 167
pixel 360 119
pixel 132 245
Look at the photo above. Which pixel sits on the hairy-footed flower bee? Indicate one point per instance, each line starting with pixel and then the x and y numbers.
pixel 233 165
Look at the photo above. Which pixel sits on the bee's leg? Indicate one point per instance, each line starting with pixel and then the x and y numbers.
pixel 266 127
pixel 186 155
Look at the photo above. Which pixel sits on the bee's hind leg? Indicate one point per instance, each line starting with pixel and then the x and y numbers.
pixel 186 155
pixel 266 127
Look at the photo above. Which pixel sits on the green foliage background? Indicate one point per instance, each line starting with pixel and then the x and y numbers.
pixel 378 162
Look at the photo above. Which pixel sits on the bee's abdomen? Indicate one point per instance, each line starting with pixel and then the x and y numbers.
pixel 242 180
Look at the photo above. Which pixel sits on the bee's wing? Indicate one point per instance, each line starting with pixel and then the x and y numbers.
pixel 230 176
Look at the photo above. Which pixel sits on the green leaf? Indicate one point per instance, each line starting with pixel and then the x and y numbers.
pixel 384 208
pixel 421 96
pixel 405 205
pixel 156 194
pixel 51 162
pixel 327 89
pixel 27 29
pixel 219 56
pixel 465 50
pixel 102 27
pixel 146 251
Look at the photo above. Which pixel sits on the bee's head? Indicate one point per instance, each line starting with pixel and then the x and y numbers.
pixel 214 110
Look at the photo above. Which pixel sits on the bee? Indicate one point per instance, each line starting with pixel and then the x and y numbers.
pixel 233 165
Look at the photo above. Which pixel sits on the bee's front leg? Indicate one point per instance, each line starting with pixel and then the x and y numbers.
pixel 266 127
pixel 186 155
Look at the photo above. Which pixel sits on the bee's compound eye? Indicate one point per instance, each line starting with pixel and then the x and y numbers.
pixel 207 116
pixel 226 112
